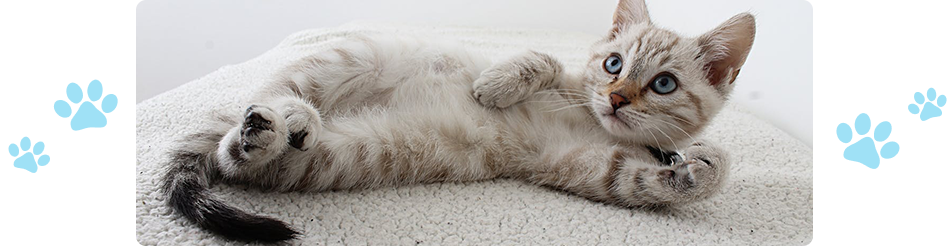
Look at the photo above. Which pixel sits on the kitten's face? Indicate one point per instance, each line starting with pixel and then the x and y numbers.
pixel 645 84
pixel 655 87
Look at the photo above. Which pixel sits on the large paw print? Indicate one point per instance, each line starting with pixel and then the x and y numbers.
pixel 28 161
pixel 929 110
pixel 88 115
pixel 864 151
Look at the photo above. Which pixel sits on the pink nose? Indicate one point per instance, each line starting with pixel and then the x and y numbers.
pixel 617 101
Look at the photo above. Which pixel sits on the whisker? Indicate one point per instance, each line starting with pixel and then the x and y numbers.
pixel 562 93
pixel 679 128
pixel 682 119
pixel 566 107
pixel 640 114
pixel 567 95
pixel 563 90
pixel 550 101
pixel 669 138
pixel 566 91
pixel 657 144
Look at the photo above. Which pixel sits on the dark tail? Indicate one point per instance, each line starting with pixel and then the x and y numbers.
pixel 186 184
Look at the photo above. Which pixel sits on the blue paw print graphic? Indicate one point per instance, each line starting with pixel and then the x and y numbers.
pixel 929 110
pixel 864 151
pixel 88 115
pixel 28 161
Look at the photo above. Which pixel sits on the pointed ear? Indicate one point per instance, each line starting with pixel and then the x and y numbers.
pixel 629 12
pixel 725 48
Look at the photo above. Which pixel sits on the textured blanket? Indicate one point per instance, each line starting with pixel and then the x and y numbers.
pixel 767 201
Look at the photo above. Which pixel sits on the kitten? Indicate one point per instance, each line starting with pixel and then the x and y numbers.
pixel 374 110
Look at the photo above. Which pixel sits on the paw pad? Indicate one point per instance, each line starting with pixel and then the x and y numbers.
pixel 28 161
pixel 88 115
pixel 864 151
pixel 928 110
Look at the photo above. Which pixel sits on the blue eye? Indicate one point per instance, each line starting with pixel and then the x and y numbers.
pixel 612 64
pixel 664 84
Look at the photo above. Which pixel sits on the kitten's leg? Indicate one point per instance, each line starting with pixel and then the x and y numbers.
pixel 632 177
pixel 512 81
pixel 284 125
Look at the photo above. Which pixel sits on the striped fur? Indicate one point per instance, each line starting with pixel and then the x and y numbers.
pixel 377 110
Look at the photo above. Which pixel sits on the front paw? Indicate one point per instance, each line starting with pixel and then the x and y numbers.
pixel 707 152
pixel 493 89
pixel 706 166
pixel 512 81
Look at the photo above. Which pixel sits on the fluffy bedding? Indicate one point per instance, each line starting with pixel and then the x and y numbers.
pixel 767 201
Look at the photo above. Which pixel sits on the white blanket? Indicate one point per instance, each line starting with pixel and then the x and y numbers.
pixel 768 199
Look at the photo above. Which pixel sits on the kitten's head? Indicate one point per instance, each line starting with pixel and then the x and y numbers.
pixel 655 87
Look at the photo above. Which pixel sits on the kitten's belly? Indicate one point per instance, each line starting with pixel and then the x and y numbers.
pixel 418 142
pixel 420 118
pixel 425 128
pixel 445 135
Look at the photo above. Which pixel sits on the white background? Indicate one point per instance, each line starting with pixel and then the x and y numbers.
pixel 182 40
pixel 870 57
pixel 86 194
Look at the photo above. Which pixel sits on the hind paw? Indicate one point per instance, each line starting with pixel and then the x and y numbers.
pixel 262 130
pixel 260 137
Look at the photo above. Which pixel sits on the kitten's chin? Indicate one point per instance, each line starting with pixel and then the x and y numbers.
pixel 618 127
pixel 635 133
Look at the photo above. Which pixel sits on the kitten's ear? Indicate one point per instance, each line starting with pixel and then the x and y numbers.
pixel 725 48
pixel 629 12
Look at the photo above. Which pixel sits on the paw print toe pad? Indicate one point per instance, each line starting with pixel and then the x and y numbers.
pixel 844 133
pixel 74 93
pixel 95 90
pixel 109 103
pixel 14 151
pixel 862 124
pixel 889 150
pixel 882 131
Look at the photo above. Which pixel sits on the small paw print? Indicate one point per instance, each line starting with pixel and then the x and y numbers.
pixel 88 115
pixel 864 151
pixel 929 110
pixel 28 161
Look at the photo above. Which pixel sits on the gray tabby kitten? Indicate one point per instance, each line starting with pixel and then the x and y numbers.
pixel 375 110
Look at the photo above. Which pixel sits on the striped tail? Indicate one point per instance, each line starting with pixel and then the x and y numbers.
pixel 186 185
